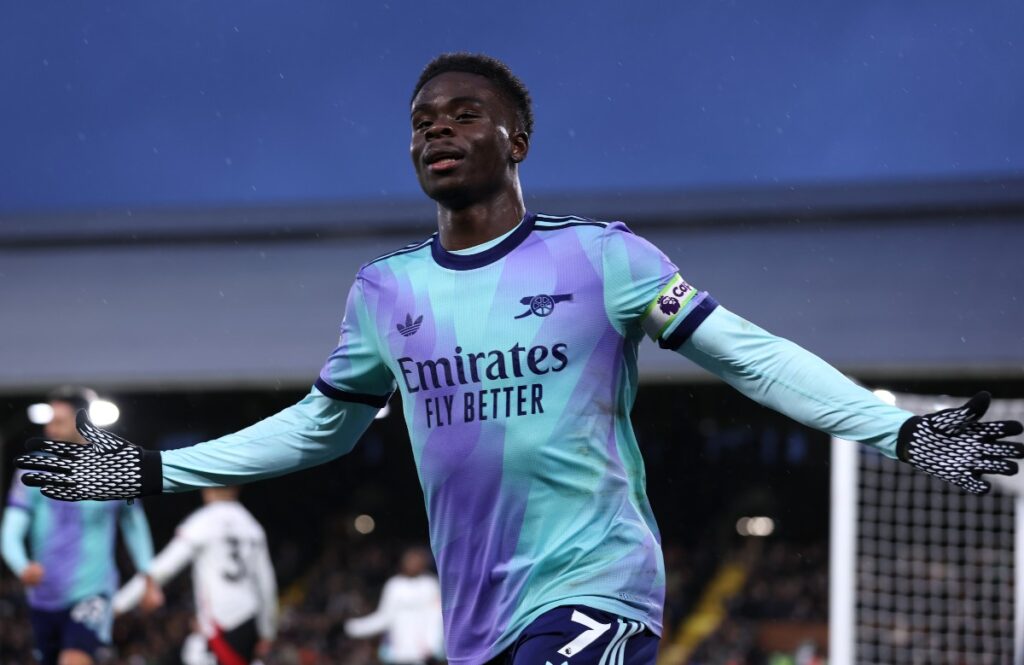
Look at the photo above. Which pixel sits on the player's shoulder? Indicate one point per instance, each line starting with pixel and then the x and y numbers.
pixel 399 257
pixel 585 228
pixel 547 222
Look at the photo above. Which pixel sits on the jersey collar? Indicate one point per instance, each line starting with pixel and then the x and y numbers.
pixel 452 261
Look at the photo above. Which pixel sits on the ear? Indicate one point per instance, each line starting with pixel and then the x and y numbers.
pixel 520 143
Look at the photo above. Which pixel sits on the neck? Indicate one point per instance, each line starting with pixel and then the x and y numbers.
pixel 477 223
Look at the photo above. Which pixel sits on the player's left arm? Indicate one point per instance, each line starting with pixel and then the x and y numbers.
pixel 953 444
pixel 137 537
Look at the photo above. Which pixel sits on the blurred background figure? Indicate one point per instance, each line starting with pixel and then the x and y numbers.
pixel 68 567
pixel 232 579
pixel 409 614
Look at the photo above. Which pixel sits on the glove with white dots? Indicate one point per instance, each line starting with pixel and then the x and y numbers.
pixel 955 446
pixel 106 467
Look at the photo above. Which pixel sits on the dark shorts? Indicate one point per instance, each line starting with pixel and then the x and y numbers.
pixel 236 646
pixel 580 635
pixel 85 626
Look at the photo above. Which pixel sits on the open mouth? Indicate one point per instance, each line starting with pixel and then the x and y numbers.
pixel 442 160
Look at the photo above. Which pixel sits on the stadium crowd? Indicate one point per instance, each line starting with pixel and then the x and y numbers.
pixel 786 584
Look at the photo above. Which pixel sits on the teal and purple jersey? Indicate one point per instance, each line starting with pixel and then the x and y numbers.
pixel 517 368
pixel 74 542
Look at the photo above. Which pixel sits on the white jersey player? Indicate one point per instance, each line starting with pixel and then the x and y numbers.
pixel 232 577
pixel 409 615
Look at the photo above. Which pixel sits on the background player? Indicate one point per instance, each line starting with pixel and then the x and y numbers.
pixel 232 577
pixel 409 614
pixel 513 338
pixel 69 568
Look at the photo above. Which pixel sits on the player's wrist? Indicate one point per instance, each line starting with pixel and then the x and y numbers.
pixel 904 437
pixel 152 470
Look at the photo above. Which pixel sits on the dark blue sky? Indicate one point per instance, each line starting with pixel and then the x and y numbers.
pixel 229 102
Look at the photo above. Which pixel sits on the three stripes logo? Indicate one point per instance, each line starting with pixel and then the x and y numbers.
pixel 410 326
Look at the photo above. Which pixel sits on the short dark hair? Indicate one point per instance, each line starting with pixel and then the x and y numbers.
pixel 79 397
pixel 494 70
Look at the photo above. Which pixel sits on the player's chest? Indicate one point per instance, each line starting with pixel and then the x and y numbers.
pixel 532 308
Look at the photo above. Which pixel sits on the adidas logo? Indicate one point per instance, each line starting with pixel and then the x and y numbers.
pixel 410 326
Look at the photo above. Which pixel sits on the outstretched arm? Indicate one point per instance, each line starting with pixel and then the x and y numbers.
pixel 791 380
pixel 353 385
pixel 316 430
pixel 954 445
pixel 643 290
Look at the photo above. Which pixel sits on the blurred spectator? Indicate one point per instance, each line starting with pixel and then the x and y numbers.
pixel 409 614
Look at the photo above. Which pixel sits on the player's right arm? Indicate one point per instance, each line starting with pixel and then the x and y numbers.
pixel 353 385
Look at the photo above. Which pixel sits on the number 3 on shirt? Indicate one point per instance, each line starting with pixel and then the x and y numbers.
pixel 239 572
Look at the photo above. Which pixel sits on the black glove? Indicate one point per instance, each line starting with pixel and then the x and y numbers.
pixel 107 467
pixel 952 445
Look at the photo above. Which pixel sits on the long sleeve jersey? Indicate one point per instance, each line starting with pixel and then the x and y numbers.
pixel 517 368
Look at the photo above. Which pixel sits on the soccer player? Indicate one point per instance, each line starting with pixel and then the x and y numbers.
pixel 409 614
pixel 513 337
pixel 232 577
pixel 69 569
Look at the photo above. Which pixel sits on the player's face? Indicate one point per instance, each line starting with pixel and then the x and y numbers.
pixel 62 426
pixel 465 141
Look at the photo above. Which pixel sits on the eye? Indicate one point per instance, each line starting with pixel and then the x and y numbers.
pixel 420 124
pixel 466 115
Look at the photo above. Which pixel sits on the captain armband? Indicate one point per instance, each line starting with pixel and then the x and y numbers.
pixel 670 302
pixel 677 310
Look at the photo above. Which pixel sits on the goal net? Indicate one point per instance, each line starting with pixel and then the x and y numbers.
pixel 922 573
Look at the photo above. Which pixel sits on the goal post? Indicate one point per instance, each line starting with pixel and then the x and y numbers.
pixel 921 572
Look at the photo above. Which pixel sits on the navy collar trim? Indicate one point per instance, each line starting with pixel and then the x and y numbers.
pixel 446 259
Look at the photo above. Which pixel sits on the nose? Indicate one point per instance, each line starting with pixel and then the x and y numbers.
pixel 440 127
